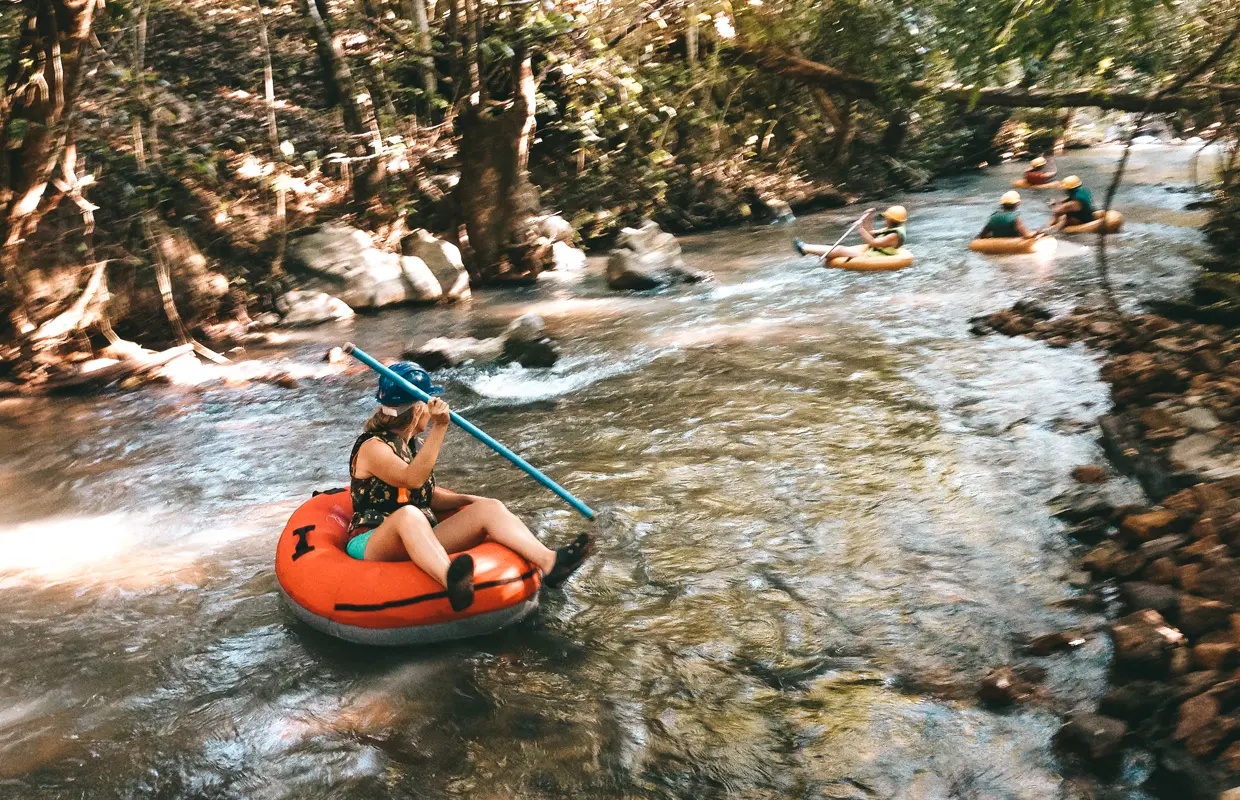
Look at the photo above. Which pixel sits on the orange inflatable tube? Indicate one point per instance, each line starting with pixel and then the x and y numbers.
pixel 390 602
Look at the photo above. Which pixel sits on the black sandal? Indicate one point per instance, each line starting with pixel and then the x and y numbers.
pixel 568 559
pixel 461 582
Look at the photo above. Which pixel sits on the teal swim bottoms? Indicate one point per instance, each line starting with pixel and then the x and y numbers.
pixel 357 545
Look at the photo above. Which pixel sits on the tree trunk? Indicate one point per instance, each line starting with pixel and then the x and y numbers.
pixel 339 80
pixel 415 10
pixel 497 202
pixel 841 123
pixel 40 93
pixel 812 73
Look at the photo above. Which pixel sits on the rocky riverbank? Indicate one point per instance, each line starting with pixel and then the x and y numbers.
pixel 1172 566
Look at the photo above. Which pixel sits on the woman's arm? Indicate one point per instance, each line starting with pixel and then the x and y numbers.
pixel 378 459
pixel 890 240
pixel 1022 231
pixel 448 500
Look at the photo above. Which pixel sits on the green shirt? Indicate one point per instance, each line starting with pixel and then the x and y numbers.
pixel 1002 224
pixel 1081 195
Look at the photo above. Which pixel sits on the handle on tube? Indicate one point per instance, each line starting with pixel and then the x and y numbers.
pixel 476 432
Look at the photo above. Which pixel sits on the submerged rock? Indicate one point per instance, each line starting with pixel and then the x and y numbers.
pixel 523 341
pixel 445 351
pixel 1089 473
pixel 1003 686
pixel 1094 736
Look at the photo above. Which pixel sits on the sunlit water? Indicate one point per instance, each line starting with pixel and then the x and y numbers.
pixel 827 517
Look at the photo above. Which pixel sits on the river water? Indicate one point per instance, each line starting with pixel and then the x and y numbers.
pixel 826 519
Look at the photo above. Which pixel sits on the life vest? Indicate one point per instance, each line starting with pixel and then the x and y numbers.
pixel 373 499
pixel 1086 215
pixel 1002 224
pixel 898 230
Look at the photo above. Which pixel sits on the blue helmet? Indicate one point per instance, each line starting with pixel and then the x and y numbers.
pixel 392 394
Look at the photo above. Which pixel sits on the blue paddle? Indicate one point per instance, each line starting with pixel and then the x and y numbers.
pixel 475 432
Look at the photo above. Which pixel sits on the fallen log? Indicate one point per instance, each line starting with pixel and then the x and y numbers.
pixel 90 380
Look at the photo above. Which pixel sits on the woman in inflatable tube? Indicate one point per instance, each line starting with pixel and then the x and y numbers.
pixel 396 502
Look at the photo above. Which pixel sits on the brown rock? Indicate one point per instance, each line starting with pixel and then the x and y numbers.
pixel 1187 576
pixel 1160 570
pixel 1181 661
pixel 1102 559
pixel 1195 715
pixel 1094 736
pixel 1156 418
pixel 1230 761
pixel 1129 565
pixel 1204 527
pixel 1184 503
pixel 1193 684
pixel 335 356
pixel 1049 643
pixel 1210 495
pixel 1138 595
pixel 1089 531
pixel 1003 687
pixel 1227 524
pixel 1143 643
pixel 1162 546
pixel 1203 549
pixel 1220 582
pixel 1216 655
pixel 1201 726
pixel 1199 616
pixel 286 381
pixel 1089 473
pixel 1149 525
pixel 1206 361
pixel 1136 701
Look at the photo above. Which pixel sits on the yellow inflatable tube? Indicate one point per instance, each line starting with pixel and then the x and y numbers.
pixel 1106 221
pixel 1003 246
pixel 875 263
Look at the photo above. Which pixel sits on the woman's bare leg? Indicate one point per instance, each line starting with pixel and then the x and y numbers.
pixel 489 518
pixel 837 252
pixel 406 535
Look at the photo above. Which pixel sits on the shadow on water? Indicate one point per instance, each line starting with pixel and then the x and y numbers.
pixel 823 518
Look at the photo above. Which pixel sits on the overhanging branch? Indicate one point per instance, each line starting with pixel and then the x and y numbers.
pixel 826 77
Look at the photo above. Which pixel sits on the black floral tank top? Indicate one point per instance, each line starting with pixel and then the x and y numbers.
pixel 373 499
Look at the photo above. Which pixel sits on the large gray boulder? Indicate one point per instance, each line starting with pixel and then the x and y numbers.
pixel 648 258
pixel 343 261
pixel 300 308
pixel 443 259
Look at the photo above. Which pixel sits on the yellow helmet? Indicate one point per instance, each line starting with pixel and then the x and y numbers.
pixel 1038 162
pixel 1071 182
pixel 1010 198
pixel 896 214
